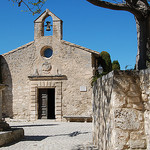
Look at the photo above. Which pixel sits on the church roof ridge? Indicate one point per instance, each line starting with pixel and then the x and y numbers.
pixel 14 50
pixel 81 47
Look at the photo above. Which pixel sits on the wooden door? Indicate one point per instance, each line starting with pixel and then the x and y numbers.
pixel 42 107
pixel 46 104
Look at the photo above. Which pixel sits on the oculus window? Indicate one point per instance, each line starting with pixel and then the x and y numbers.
pixel 47 53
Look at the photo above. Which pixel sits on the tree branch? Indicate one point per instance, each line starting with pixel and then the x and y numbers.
pixel 108 5
pixel 28 7
pixel 115 6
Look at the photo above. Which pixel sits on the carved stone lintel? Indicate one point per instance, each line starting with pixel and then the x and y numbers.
pixel 58 77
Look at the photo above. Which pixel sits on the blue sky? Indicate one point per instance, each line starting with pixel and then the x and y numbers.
pixel 83 24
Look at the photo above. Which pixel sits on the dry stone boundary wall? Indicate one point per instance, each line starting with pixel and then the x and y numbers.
pixel 121 111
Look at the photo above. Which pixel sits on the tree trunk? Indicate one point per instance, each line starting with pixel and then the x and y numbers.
pixel 143 36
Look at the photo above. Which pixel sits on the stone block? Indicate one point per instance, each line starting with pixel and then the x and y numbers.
pixel 147 106
pixel 121 84
pixel 119 139
pixel 133 100
pixel 58 104
pixel 144 97
pixel 138 144
pixel 137 135
pixel 11 136
pixel 133 94
pixel 33 89
pixel 58 112
pixel 33 97
pixel 118 100
pixel 127 119
pixel 138 106
pixel 134 88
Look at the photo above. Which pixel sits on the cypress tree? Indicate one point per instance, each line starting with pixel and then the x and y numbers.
pixel 106 62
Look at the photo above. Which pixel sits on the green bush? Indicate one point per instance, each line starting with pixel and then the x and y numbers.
pixel 115 65
pixel 106 62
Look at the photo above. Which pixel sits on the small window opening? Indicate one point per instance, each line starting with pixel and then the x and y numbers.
pixel 48 26
pixel 48 53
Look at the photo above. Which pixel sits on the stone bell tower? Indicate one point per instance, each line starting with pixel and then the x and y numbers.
pixel 39 25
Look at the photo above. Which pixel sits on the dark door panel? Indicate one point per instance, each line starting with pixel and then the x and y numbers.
pixel 46 104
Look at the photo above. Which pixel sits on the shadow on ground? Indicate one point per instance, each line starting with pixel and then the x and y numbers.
pixel 40 138
pixel 36 125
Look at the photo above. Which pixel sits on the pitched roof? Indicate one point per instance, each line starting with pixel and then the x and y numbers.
pixel 81 47
pixel 64 42
pixel 26 45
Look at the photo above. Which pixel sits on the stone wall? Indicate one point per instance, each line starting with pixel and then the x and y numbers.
pixel 145 91
pixel 121 111
pixel 75 62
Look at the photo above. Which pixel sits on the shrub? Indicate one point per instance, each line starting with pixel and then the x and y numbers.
pixel 115 65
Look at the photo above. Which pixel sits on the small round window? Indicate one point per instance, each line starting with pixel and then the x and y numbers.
pixel 47 53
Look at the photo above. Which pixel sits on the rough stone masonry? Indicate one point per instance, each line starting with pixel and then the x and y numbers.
pixel 122 111
pixel 48 64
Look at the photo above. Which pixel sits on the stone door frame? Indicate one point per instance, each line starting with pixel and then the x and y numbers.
pixel 34 86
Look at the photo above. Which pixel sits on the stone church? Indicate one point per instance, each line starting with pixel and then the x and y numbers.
pixel 48 78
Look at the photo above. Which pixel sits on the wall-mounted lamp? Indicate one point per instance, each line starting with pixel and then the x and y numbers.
pixel 100 69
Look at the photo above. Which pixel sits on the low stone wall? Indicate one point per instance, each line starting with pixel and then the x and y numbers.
pixel 8 137
pixel 121 116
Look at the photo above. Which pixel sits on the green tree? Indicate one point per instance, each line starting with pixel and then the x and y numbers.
pixel 115 65
pixel 105 62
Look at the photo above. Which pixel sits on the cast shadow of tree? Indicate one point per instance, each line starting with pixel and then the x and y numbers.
pixel 39 138
pixel 101 108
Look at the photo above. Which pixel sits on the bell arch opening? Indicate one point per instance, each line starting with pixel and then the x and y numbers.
pixel 48 26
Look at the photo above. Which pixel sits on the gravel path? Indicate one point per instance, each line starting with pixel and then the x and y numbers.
pixel 51 135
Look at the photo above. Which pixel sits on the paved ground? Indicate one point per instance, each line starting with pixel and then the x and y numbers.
pixel 51 135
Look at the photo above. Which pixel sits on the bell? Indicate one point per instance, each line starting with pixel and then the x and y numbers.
pixel 48 26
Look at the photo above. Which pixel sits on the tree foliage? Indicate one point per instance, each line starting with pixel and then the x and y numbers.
pixel 115 65
pixel 141 11
pixel 106 61
pixel 108 66
pixel 33 6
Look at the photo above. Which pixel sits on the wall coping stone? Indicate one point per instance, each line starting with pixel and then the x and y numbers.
pixel 120 73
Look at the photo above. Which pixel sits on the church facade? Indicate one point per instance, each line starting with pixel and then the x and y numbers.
pixel 48 78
